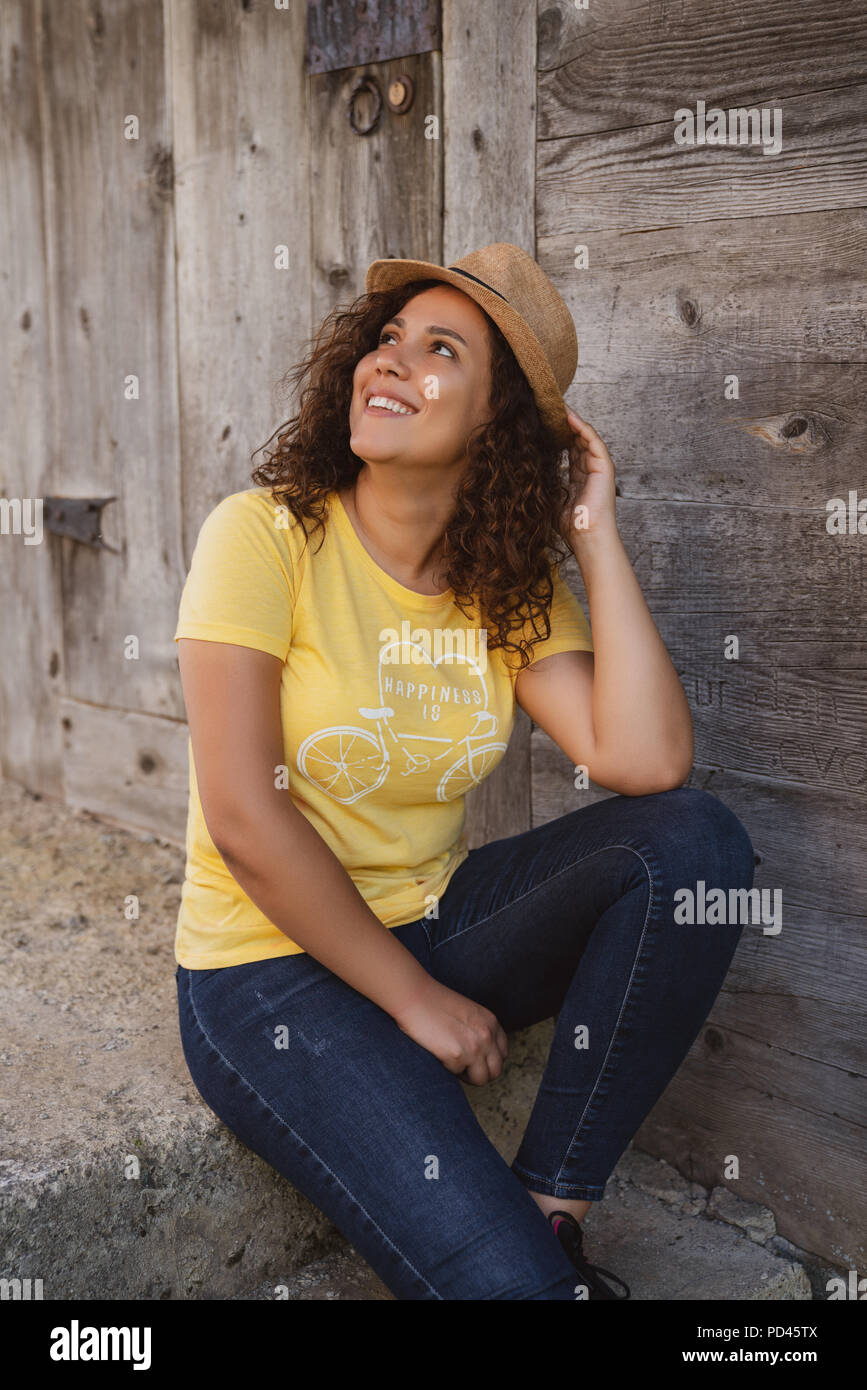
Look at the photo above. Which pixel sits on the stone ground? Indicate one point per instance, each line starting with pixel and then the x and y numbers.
pixel 116 1181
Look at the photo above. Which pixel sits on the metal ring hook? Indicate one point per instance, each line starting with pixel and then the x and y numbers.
pixel 365 84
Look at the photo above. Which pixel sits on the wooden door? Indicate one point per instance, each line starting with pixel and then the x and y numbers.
pixel 96 309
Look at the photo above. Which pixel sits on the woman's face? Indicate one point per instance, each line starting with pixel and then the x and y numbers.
pixel 434 358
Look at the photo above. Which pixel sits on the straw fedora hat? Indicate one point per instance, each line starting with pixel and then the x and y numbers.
pixel 514 290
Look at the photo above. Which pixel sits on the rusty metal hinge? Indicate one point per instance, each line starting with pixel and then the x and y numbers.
pixel 351 33
pixel 79 518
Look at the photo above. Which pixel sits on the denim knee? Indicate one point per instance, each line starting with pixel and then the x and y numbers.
pixel 717 837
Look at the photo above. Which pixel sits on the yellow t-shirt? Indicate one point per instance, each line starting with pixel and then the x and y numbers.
pixel 391 708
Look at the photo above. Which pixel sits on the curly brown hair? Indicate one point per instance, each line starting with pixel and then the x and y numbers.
pixel 502 538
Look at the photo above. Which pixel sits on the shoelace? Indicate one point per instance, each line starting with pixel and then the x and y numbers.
pixel 571 1237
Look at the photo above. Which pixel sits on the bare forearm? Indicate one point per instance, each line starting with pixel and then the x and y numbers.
pixel 290 873
pixel 641 717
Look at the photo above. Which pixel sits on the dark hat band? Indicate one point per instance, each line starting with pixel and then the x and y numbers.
pixel 478 281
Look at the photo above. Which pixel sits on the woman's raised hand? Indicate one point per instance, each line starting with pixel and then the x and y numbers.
pixel 591 504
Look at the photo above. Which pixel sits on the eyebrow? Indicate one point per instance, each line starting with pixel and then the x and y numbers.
pixel 431 328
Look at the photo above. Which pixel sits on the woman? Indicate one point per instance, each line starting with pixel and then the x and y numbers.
pixel 344 960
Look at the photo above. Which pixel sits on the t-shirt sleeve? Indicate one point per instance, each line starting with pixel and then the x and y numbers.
pixel 240 587
pixel 570 630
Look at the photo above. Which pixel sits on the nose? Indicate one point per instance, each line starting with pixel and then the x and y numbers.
pixel 385 363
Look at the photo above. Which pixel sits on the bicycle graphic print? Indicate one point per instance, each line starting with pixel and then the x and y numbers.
pixel 348 761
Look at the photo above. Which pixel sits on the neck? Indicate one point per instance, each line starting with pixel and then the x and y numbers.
pixel 402 527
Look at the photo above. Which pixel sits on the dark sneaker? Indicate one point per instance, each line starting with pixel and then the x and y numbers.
pixel 571 1237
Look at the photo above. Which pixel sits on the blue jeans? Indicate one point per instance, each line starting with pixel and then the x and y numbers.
pixel 574 920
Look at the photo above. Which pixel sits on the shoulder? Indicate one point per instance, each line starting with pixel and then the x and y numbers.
pixel 243 582
pixel 253 519
pixel 255 504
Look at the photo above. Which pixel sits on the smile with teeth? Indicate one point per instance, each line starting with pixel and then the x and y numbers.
pixel 386 403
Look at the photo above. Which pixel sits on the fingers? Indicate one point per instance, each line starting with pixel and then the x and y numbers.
pixel 576 421
pixel 476 1074
pixel 489 1065
pixel 484 1069
pixel 580 420
pixel 585 429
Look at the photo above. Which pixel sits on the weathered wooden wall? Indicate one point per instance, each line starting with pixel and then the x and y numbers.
pixel 706 261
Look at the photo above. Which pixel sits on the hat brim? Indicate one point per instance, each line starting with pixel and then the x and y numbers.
pixel 389 273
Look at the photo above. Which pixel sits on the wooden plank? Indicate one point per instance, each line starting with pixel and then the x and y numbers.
pixel 675 300
pixel 129 767
pixel 801 1014
pixel 110 258
pixel 373 195
pixel 239 115
pixel 489 97
pixel 802 724
pixel 705 560
pixel 824 1090
pixel 619 64
pixel 31 669
pixel 489 100
pixel 635 178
